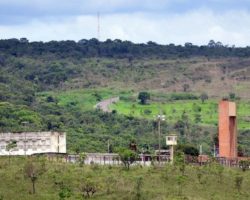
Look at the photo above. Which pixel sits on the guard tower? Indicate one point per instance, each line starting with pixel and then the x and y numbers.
pixel 171 140
pixel 227 129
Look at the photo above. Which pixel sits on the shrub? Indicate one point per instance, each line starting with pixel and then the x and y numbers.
pixel 88 188
pixel 188 149
pixel 183 96
pixel 143 97
pixel 147 112
pixel 244 165
pixel 127 157
pixel 138 188
pixel 238 182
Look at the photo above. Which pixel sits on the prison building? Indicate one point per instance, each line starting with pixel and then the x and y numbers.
pixel 227 129
pixel 28 143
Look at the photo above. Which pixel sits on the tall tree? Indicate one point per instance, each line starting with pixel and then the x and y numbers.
pixel 143 97
pixel 10 146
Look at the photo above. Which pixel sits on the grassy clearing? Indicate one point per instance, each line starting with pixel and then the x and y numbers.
pixel 84 99
pixel 167 183
pixel 200 113
pixel 205 114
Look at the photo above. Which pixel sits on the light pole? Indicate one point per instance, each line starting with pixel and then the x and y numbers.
pixel 159 119
pixel 25 140
pixel 108 146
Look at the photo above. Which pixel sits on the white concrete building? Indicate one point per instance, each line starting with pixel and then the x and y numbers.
pixel 29 143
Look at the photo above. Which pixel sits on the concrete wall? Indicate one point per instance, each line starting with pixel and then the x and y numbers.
pixel 33 142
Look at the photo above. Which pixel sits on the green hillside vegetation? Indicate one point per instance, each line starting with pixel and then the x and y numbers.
pixel 55 86
pixel 205 114
pixel 83 99
pixel 58 180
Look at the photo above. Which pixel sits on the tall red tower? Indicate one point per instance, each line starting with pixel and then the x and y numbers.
pixel 227 129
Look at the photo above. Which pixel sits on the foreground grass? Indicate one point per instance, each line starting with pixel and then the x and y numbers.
pixel 64 181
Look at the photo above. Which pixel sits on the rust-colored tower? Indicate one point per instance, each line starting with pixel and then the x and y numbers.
pixel 227 129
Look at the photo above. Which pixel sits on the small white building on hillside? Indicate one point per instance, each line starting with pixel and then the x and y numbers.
pixel 28 143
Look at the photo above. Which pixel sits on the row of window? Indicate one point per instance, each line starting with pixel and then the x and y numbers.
pixel 31 147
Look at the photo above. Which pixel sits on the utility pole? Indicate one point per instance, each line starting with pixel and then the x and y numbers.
pixel 159 119
pixel 159 137
pixel 108 146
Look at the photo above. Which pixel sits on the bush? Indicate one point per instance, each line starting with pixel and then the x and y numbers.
pixel 183 96
pixel 147 112
pixel 188 149
pixel 143 97
pixel 238 182
pixel 88 188
pixel 244 165
pixel 127 157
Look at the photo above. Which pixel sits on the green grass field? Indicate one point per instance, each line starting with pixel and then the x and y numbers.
pixel 84 99
pixel 194 109
pixel 58 180
pixel 204 114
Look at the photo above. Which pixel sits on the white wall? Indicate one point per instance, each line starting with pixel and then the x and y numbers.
pixel 36 142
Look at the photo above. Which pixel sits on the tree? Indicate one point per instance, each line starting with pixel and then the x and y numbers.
pixel 143 97
pixel 197 118
pixel 187 149
pixel 232 96
pixel 10 146
pixel 185 87
pixel 24 40
pixel 180 179
pixel 238 182
pixel 127 157
pixel 32 172
pixel 97 96
pixel 138 188
pixel 65 192
pixel 82 158
pixel 244 165
pixel 203 97
pixel 88 188
pixel 179 161
pixel 188 44
pixel 211 43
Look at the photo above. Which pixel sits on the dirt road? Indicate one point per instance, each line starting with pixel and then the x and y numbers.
pixel 104 105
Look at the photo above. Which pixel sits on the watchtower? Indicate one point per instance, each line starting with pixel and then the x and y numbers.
pixel 171 140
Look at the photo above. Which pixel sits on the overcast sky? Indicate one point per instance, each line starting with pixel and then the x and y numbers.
pixel 162 21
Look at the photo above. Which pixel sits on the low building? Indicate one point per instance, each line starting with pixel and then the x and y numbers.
pixel 28 143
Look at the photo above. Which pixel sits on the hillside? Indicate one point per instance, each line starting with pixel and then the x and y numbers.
pixel 55 86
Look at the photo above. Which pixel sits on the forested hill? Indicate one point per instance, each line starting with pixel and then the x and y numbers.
pixel 55 85
pixel 117 48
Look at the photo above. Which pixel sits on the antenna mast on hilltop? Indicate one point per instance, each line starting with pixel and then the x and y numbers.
pixel 98 25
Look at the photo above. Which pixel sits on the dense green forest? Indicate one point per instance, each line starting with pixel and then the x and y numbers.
pixel 55 86
pixel 118 49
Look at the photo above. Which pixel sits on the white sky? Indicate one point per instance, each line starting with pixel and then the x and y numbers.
pixel 161 21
